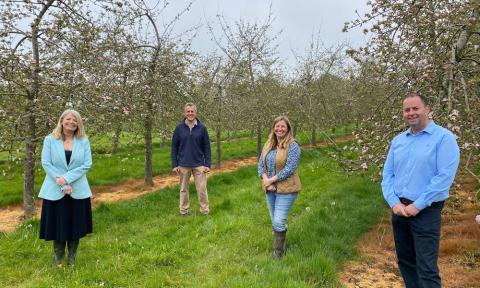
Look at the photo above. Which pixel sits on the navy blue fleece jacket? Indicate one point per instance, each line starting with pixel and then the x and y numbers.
pixel 191 147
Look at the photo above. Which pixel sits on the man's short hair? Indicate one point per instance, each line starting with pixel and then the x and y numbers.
pixel 415 94
pixel 190 104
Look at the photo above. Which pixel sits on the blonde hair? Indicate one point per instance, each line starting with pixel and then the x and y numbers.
pixel 190 104
pixel 272 141
pixel 58 131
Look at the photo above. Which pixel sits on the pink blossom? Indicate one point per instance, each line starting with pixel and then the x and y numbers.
pixel 454 113
pixel 422 62
pixel 465 145
pixel 455 129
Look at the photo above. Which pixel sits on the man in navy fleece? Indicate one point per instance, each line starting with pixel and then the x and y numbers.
pixel 191 155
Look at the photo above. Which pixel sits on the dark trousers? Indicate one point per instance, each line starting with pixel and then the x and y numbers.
pixel 417 242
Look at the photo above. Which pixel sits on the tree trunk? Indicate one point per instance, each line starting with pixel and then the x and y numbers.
pixel 259 141
pixel 219 149
pixel 149 106
pixel 116 138
pixel 148 146
pixel 164 138
pixel 219 126
pixel 29 166
pixel 31 131
pixel 314 136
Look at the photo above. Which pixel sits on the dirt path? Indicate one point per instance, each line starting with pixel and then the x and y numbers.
pixel 459 248
pixel 11 216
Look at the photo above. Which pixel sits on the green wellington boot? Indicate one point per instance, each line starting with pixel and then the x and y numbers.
pixel 279 244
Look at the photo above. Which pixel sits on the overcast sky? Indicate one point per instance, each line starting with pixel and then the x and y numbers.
pixel 298 19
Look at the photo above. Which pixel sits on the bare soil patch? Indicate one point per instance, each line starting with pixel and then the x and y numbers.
pixel 11 216
pixel 459 247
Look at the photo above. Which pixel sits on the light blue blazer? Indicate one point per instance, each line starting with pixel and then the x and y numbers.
pixel 54 163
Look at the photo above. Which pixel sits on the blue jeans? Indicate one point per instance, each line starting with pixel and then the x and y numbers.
pixel 417 241
pixel 279 205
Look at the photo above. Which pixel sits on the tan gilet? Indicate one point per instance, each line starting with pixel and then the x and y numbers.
pixel 290 184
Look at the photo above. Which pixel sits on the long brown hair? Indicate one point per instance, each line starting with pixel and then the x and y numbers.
pixel 272 141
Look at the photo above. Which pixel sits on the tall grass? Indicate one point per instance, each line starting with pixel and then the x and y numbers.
pixel 145 243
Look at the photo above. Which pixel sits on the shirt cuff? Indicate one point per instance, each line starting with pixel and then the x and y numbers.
pixel 393 202
pixel 420 204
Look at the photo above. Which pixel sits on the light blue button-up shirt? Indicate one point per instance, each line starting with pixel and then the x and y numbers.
pixel 420 167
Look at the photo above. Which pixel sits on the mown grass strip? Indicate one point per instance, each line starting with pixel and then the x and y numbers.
pixel 145 243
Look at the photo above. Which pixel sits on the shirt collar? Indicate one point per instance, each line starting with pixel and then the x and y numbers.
pixel 429 129
pixel 194 123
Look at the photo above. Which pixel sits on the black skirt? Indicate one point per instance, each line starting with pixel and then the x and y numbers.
pixel 66 219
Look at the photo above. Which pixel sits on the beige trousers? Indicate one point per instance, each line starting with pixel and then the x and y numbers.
pixel 200 178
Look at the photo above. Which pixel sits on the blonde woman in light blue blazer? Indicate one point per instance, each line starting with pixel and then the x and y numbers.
pixel 66 208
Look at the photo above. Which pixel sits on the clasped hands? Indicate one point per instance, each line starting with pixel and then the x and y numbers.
pixel 67 189
pixel 405 211
pixel 267 182
pixel 177 169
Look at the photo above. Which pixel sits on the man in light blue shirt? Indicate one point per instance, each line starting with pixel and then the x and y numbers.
pixel 417 175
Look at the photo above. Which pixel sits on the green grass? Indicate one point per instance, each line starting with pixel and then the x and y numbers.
pixel 144 243
pixel 128 163
pixel 112 169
